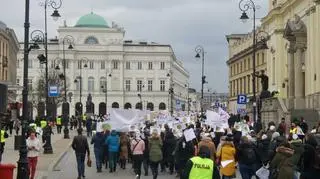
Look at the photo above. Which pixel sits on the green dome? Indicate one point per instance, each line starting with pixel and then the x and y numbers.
pixel 92 20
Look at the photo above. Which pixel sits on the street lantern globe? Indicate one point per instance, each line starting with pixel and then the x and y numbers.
pixel 168 74
pixel 244 17
pixel 42 59
pixel 198 55
pixel 57 67
pixel 55 15
pixel 70 47
pixel 85 65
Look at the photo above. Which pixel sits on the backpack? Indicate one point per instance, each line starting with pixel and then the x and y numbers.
pixel 317 153
pixel 250 154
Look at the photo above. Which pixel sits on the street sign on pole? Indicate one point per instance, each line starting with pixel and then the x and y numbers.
pixel 242 99
pixel 53 91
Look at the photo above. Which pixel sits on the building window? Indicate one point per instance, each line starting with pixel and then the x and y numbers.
pixel 128 65
pixel 139 85
pixel 18 81
pixel 162 65
pixel 162 85
pixel 149 85
pixel 115 64
pixel 150 65
pixel 30 84
pixel 78 83
pixel 103 84
pixel 128 85
pixel 67 64
pixel 139 65
pixel 90 84
pixel 30 63
pixel 79 64
pixel 91 65
pixel 91 40
pixel 103 64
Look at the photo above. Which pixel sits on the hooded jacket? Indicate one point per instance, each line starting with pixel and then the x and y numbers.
pixel 155 146
pixel 207 141
pixel 113 142
pixel 282 162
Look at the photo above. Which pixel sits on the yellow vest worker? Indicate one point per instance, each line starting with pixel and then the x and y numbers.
pixel 293 131
pixel 58 121
pixel 43 124
pixel 2 137
pixel 84 117
pixel 202 168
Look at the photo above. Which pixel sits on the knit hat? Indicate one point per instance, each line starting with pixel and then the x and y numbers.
pixel 275 135
pixel 264 136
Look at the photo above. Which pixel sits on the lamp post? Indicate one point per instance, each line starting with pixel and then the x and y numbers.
pixel 171 93
pixel 188 97
pixel 55 4
pixel 200 53
pixel 23 168
pixel 80 79
pixel 244 6
pixel 105 89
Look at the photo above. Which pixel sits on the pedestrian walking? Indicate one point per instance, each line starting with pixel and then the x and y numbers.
pixel 201 167
pixel 17 125
pixel 97 141
pixel 227 153
pixel 137 148
pixel 169 145
pixel 124 140
pixel 81 148
pixel 248 159
pixel 113 143
pixel 3 136
pixel 33 146
pixel 155 153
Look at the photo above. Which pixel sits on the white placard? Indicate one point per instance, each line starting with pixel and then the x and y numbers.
pixel 189 135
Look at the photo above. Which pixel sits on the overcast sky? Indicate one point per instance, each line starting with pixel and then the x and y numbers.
pixel 182 23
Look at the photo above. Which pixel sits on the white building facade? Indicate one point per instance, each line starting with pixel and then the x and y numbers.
pixel 132 72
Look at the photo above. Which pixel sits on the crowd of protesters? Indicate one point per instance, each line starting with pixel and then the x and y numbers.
pixel 293 153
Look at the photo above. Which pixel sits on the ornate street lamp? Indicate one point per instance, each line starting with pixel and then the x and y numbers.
pixel 200 53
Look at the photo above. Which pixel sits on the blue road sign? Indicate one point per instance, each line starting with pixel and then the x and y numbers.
pixel 53 91
pixel 242 99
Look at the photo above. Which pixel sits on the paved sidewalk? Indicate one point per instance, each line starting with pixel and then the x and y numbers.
pixel 46 162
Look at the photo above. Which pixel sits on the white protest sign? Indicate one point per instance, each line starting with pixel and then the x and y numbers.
pixel 189 135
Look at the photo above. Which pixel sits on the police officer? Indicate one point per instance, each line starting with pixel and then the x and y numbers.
pixel 201 167
pixel 43 124
pixel 3 136
pixel 59 124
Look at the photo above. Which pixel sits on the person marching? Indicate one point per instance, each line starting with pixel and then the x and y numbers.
pixel 3 136
pixel 201 167
pixel 59 124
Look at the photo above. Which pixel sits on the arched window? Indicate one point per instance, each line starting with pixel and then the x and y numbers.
pixel 103 84
pixel 115 105
pixel 162 106
pixel 90 84
pixel 127 106
pixel 139 106
pixel 150 106
pixel 91 40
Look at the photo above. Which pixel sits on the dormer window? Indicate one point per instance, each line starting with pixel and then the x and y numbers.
pixel 91 40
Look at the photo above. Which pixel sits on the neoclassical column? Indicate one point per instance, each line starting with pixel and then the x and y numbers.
pixel 291 71
pixel 298 74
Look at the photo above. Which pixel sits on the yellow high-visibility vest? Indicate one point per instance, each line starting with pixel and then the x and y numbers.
pixel 43 124
pixel 33 125
pixel 58 121
pixel 3 140
pixel 293 131
pixel 84 117
pixel 202 168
